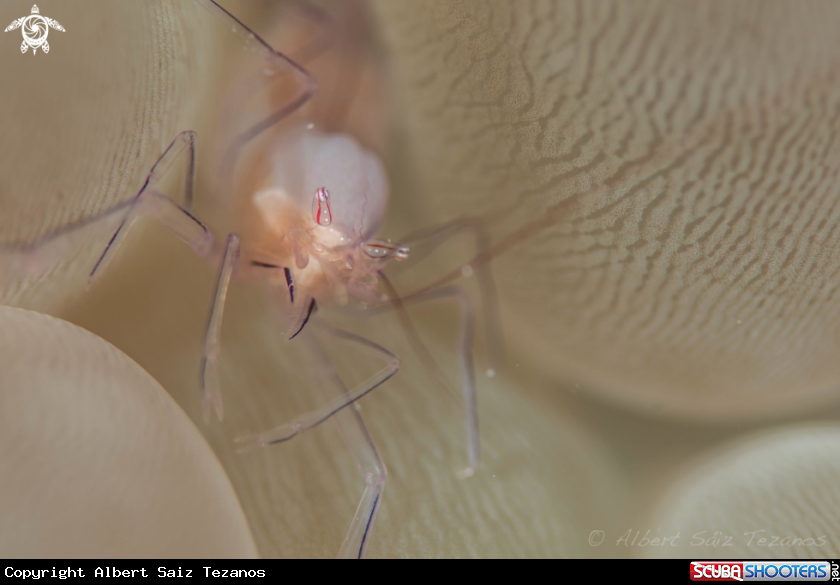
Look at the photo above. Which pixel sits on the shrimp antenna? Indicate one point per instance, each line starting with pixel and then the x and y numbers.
pixel 560 211
pixel 277 60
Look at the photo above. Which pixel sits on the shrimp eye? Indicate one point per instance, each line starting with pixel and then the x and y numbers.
pixel 321 207
pixel 380 249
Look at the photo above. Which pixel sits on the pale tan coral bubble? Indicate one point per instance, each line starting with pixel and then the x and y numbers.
pixel 96 460
pixel 698 271
pixel 83 125
pixel 771 495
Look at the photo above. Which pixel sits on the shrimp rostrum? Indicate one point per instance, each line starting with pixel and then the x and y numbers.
pixel 314 200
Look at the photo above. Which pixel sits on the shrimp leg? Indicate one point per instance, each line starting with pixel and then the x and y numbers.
pixel 361 445
pixel 434 237
pixel 155 204
pixel 353 430
pixel 315 417
pixel 27 261
pixel 211 396
pixel 184 224
pixel 465 356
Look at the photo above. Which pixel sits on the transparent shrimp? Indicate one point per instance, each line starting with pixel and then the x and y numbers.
pixel 309 200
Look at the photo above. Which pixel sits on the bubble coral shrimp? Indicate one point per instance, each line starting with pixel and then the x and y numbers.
pixel 310 200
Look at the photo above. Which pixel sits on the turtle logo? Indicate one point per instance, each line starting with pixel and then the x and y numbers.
pixel 35 30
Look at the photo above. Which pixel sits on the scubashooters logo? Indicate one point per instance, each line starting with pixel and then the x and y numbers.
pixel 797 571
pixel 35 29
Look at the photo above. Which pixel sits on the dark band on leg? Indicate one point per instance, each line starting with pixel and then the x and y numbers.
pixel 309 310
pixel 290 283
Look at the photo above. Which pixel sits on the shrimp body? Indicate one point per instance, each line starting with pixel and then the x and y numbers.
pixel 301 210
pixel 321 199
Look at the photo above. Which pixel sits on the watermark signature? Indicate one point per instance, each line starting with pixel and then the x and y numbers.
pixel 651 538
pixel 35 29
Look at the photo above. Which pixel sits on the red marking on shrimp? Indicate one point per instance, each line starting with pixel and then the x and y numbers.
pixel 321 207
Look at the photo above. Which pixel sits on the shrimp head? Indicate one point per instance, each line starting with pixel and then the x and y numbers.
pixel 325 200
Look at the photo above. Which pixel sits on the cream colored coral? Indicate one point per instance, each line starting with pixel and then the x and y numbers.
pixel 770 495
pixel 97 460
pixel 684 157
